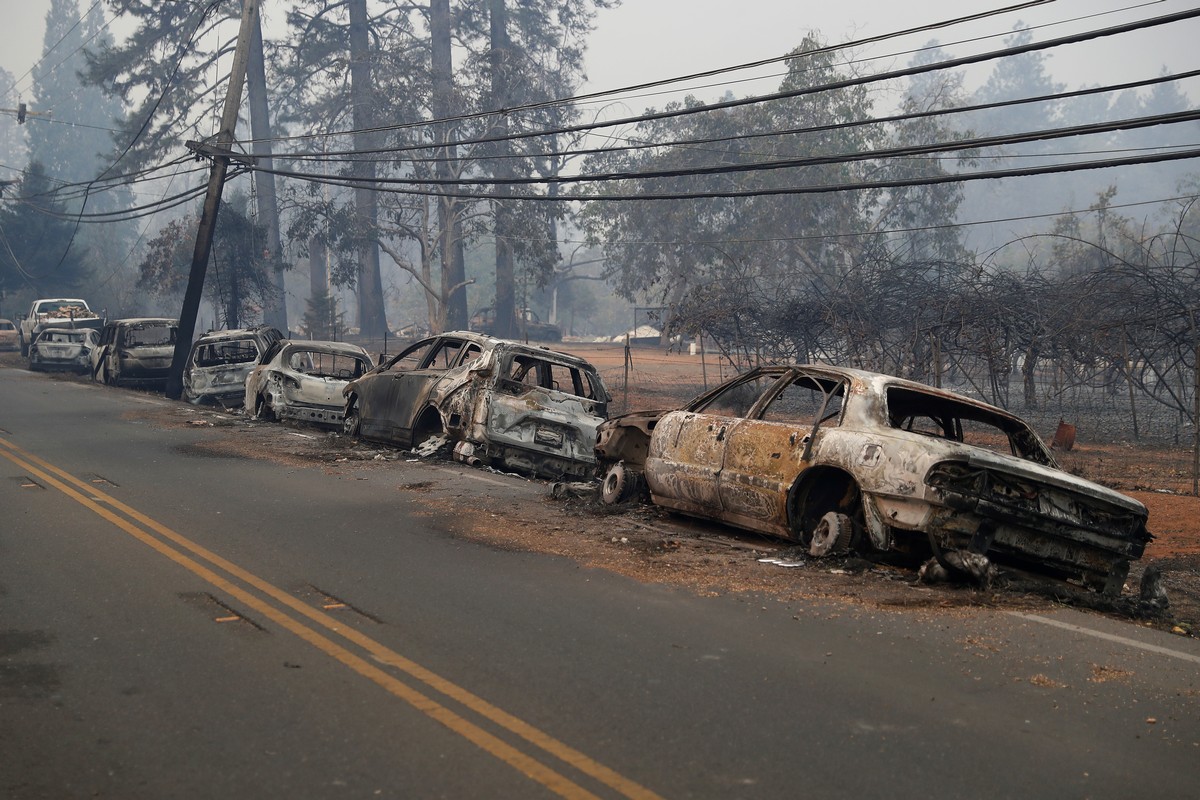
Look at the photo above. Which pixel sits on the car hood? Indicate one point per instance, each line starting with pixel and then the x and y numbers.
pixel 977 457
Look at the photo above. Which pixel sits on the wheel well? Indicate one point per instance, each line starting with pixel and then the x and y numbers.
pixel 820 490
pixel 428 424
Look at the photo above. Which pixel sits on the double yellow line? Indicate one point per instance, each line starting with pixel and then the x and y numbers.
pixel 194 558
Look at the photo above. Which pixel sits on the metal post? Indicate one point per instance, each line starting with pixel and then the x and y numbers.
pixel 212 201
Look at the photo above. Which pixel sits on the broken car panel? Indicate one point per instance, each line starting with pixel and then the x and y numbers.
pixel 502 402
pixel 303 380
pixel 840 459
pixel 219 361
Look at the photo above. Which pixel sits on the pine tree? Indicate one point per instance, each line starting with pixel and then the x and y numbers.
pixel 33 258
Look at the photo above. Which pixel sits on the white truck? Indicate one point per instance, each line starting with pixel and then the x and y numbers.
pixel 55 312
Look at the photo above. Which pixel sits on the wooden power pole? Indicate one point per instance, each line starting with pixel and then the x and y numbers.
pixel 212 200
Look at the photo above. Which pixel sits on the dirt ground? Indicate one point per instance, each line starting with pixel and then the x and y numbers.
pixel 650 545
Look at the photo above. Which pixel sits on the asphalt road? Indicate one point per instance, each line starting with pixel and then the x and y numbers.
pixel 180 624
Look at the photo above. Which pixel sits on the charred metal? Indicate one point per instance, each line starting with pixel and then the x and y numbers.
pixel 501 403
pixel 840 459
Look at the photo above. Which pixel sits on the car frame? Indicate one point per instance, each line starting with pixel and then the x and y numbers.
pixel 302 380
pixel 63 349
pixel 123 358
pixel 219 362
pixel 503 403
pixel 855 460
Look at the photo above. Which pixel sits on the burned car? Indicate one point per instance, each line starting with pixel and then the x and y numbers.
pixel 219 362
pixel 303 380
pixel 68 349
pixel 9 339
pixel 840 459
pixel 135 351
pixel 503 403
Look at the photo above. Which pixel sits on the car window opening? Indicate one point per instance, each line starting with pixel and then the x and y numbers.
pixel 216 354
pixel 946 418
pixel 149 335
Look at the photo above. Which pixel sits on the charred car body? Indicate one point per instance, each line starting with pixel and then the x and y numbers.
pixel 219 362
pixel 135 351
pixel 840 459
pixel 63 349
pixel 505 403
pixel 303 380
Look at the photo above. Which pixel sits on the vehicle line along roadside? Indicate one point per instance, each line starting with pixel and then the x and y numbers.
pixel 183 552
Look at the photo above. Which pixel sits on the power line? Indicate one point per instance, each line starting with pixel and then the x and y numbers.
pixel 845 83
pixel 651 84
pixel 1191 152
pixel 864 233
pixel 649 145
pixel 914 51
pixel 778 164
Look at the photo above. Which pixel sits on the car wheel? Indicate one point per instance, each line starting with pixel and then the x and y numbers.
pixel 618 485
pixel 263 410
pixel 351 422
pixel 832 535
pixel 24 347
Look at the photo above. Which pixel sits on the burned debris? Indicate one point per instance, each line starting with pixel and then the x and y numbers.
pixel 500 402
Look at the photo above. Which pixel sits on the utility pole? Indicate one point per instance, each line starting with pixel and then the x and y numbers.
pixel 212 200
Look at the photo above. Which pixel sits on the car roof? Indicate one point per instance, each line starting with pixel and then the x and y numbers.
pixel 234 333
pixel 880 381
pixel 143 321
pixel 514 345
pixel 320 345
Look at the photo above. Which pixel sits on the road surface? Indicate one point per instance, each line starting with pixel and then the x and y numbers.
pixel 179 622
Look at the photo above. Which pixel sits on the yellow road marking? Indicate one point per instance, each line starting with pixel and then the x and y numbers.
pixel 486 741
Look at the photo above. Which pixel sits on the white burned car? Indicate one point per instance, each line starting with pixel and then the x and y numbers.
pixel 219 362
pixel 841 459
pixel 505 403
pixel 63 349
pixel 303 380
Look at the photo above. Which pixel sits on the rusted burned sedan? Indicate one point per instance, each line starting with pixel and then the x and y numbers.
pixel 303 380
pixel 840 459
pixel 502 402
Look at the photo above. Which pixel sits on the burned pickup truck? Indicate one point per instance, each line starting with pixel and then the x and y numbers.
pixel 843 460
pixel 502 403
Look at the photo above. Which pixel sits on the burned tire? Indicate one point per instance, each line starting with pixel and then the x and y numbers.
pixel 619 484
pixel 832 536
pixel 351 422
pixel 263 410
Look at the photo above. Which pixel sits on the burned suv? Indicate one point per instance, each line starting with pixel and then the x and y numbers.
pixel 135 351
pixel 841 459
pixel 505 403
pixel 219 361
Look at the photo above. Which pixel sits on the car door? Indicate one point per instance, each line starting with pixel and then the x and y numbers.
pixel 766 451
pixel 687 449
pixel 392 400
